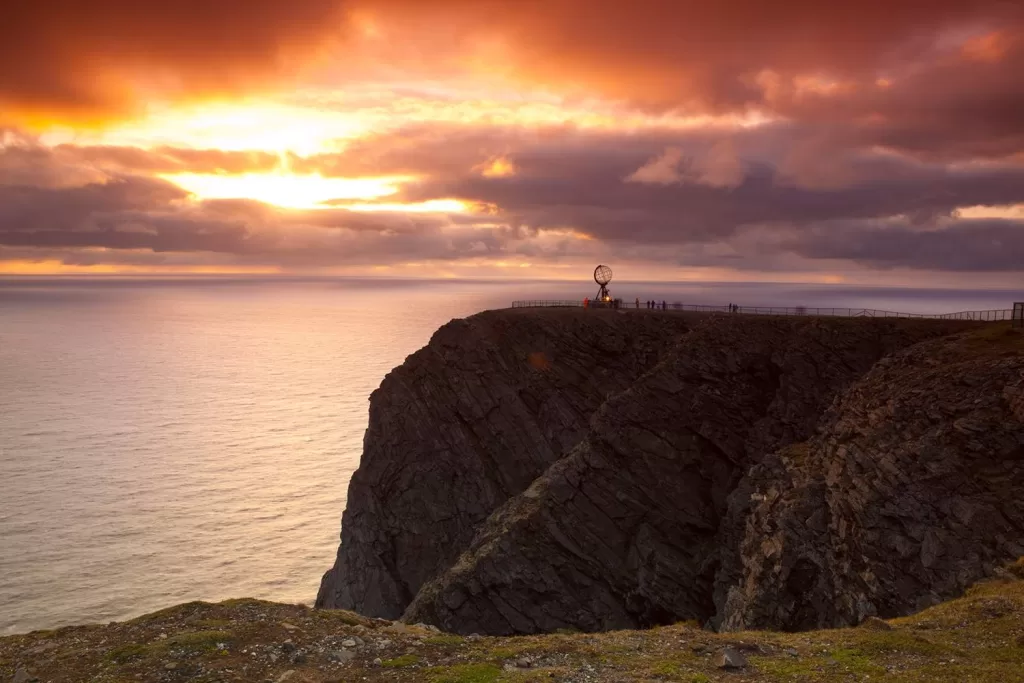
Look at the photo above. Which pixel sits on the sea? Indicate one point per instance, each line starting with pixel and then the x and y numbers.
pixel 192 438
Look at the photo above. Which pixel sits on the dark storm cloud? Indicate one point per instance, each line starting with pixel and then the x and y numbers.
pixel 584 186
pixel 966 245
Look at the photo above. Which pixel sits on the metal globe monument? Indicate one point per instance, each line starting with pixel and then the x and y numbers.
pixel 602 276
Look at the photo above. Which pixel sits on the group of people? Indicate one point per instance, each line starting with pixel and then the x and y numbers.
pixel 734 308
pixel 652 304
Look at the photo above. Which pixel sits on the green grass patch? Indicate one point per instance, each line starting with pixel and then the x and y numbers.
pixel 193 643
pixel 788 669
pixel 401 662
pixel 197 641
pixel 856 662
pixel 212 624
pixel 672 671
pixel 898 642
pixel 127 653
pixel 168 612
pixel 340 616
pixel 464 673
pixel 444 640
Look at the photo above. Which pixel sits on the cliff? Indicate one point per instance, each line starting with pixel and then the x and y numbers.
pixel 745 472
pixel 466 423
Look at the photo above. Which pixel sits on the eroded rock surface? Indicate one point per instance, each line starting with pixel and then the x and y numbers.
pixel 626 531
pixel 535 470
pixel 467 422
pixel 910 493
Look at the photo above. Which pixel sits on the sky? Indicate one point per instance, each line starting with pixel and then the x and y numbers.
pixel 797 140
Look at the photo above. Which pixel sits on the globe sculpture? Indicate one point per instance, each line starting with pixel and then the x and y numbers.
pixel 602 276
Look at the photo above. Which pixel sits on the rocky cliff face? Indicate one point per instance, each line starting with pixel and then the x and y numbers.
pixel 467 422
pixel 745 472
pixel 910 493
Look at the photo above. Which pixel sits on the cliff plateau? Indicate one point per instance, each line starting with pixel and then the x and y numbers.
pixel 529 471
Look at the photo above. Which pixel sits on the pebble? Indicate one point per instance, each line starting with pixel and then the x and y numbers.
pixel 348 642
pixel 285 676
pixel 377 661
pixel 171 666
pixel 22 676
pixel 792 652
pixel 342 656
pixel 731 658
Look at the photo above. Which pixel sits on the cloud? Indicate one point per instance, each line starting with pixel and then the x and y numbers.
pixel 992 245
pixel 662 170
pixel 718 167
pixel 568 197
pixel 108 54
pixel 104 55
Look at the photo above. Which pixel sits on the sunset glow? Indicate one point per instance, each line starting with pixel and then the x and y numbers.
pixel 285 190
pixel 762 150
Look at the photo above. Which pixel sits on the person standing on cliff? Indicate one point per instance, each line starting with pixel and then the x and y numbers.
pixel 638 303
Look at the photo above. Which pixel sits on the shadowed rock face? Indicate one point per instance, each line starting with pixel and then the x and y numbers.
pixel 626 531
pixel 748 473
pixel 467 422
pixel 910 493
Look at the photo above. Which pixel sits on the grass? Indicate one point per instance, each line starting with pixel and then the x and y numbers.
pixel 444 640
pixel 340 616
pixel 401 662
pixel 192 643
pixel 978 637
pixel 464 673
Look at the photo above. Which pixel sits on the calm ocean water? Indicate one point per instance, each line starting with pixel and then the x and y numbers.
pixel 173 440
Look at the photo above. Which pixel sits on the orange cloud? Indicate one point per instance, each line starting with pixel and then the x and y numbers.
pixel 68 58
pixel 87 60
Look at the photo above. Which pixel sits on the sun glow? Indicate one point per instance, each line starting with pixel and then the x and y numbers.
pixel 429 206
pixel 228 126
pixel 287 190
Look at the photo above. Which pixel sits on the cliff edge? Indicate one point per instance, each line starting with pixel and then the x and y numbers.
pixel 529 471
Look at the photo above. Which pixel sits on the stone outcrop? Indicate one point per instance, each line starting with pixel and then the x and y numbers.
pixel 467 422
pixel 911 492
pixel 745 472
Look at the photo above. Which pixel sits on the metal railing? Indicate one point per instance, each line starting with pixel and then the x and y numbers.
pixel 989 315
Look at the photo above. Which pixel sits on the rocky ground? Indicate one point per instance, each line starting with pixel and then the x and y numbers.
pixel 979 637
